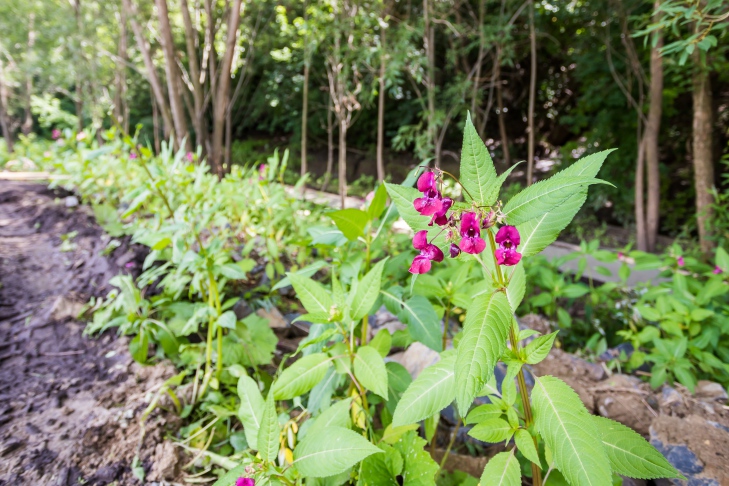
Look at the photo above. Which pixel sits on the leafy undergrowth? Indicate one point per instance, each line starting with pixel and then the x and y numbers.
pixel 333 411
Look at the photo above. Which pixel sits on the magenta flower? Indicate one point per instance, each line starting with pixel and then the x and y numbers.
pixel 189 156
pixel 431 202
pixel 245 482
pixel 133 155
pixel 455 250
pixel 680 261
pixel 261 172
pixel 489 220
pixel 717 270
pixel 428 252
pixel 471 241
pixel 427 182
pixel 440 218
pixel 56 134
pixel 508 239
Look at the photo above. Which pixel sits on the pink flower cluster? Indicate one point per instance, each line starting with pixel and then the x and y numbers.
pixel 471 223
pixel 245 482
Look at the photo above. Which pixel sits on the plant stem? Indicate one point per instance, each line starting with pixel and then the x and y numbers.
pixel 450 445
pixel 445 324
pixel 367 269
pixel 514 341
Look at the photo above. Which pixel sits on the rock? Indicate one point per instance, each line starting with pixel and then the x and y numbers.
pixel 624 349
pixel 275 318
pixel 670 397
pixel 623 398
pixel 242 309
pixel 384 319
pixel 536 322
pixel 695 447
pixel 416 358
pixel 709 390
pixel 633 482
pixel 165 459
pixel 64 307
pixel 70 201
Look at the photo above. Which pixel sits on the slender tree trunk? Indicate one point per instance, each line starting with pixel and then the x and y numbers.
pixel 330 147
pixel 381 108
pixel 500 105
pixel 27 126
pixel 532 95
pixel 152 77
pixel 702 147
pixel 305 103
pixel 155 123
pixel 429 43
pixel 171 72
pixel 121 107
pixel 78 67
pixel 479 59
pixel 652 130
pixel 640 225
pixel 198 94
pixel 4 122
pixel 220 105
pixel 305 120
pixel 342 160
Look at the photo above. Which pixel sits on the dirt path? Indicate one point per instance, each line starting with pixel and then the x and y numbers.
pixel 69 405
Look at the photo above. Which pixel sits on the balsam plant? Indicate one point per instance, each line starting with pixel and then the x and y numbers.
pixel 583 448
pixel 369 435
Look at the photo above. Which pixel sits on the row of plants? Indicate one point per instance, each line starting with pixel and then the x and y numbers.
pixel 336 411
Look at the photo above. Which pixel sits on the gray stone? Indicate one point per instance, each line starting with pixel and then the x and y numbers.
pixel 70 201
pixel 416 358
pixel 709 390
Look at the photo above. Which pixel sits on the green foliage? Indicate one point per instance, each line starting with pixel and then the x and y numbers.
pixel 330 451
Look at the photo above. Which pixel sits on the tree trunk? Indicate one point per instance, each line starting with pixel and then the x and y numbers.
pixel 220 104
pixel 4 122
pixel 381 108
pixel 194 69
pixel 171 72
pixel 640 215
pixel 152 76
pixel 429 43
pixel 304 119
pixel 479 59
pixel 652 129
pixel 330 147
pixel 27 126
pixel 121 107
pixel 342 160
pixel 502 124
pixel 532 95
pixel 703 153
pixel 155 124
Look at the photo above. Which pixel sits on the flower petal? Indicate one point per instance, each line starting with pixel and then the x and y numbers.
pixel 426 182
pixel 455 250
pixel 420 240
pixel 420 264
pixel 432 252
pixel 427 206
pixel 474 245
pixel 508 234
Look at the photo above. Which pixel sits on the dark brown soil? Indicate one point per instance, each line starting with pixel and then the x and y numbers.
pixel 69 404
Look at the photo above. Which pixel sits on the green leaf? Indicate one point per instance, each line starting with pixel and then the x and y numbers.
pixel 568 430
pixel 525 443
pixel 484 340
pixel 313 296
pixel 251 408
pixel 307 271
pixel 722 259
pixel 367 291
pixel 432 391
pixel 227 320
pixel 502 470
pixel 233 272
pixel 268 433
pixel 517 286
pixel 587 166
pixel 382 342
pixel 478 174
pixel 492 430
pixel 482 413
pixel 335 416
pixel 369 369
pixel 630 454
pixel 539 348
pixel 419 468
pixel 393 433
pixel 330 451
pixel 351 222
pixel 229 478
pixel 139 346
pixel 540 232
pixel 544 196
pixel 301 376
pixel 423 323
pixel 381 469
pixel 378 203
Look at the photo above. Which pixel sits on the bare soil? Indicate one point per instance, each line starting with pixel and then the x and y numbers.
pixel 70 405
